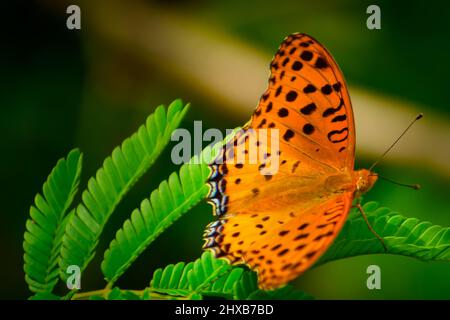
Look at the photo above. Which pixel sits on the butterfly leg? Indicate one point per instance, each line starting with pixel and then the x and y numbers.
pixel 360 208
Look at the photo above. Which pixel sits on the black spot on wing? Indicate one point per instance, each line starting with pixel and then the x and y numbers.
pixel 303 226
pixel 337 86
pixel 308 109
pixel 274 65
pixel 326 89
pixel 297 65
pixel 304 44
pixel 291 96
pixel 309 88
pixel 339 118
pixel 321 63
pixel 295 165
pixel 306 55
pixel 288 134
pixel 277 93
pixel 332 135
pixel 330 111
pixel 262 123
pixel 324 235
pixel 308 129
pixel 283 112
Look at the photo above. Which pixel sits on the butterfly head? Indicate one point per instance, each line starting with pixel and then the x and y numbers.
pixel 364 180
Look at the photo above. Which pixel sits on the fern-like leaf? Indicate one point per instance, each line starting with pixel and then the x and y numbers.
pixel 207 276
pixel 403 236
pixel 117 294
pixel 169 202
pixel 165 205
pixel 119 173
pixel 44 229
pixel 172 280
pixel 212 276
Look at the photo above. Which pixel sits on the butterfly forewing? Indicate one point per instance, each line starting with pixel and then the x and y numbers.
pixel 308 100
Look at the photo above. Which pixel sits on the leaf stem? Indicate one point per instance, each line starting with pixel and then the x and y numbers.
pixel 154 294
pixel 88 294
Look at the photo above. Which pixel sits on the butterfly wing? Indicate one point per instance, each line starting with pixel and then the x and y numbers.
pixel 280 250
pixel 307 103
pixel 308 100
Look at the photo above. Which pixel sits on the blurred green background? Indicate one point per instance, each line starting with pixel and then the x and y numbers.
pixel 92 88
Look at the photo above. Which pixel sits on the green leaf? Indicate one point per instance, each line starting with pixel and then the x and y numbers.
pixel 44 229
pixel 247 289
pixel 246 285
pixel 403 236
pixel 119 173
pixel 117 294
pixel 206 276
pixel 174 197
pixel 207 271
pixel 172 277
pixel 164 206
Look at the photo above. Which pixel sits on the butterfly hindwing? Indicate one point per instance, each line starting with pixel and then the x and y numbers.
pixel 292 248
pixel 279 246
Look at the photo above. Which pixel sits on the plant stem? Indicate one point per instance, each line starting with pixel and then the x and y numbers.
pixel 104 292
pixel 84 295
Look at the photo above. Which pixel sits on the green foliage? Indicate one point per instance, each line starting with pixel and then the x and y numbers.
pixel 172 280
pixel 206 276
pixel 117 294
pixel 119 173
pixel 44 229
pixel 174 197
pixel 55 239
pixel 403 236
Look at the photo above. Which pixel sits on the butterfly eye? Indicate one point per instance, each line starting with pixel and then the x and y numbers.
pixel 361 184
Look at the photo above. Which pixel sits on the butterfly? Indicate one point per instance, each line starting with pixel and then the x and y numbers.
pixel 280 223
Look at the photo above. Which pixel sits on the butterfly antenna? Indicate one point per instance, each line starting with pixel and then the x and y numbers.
pixel 419 116
pixel 412 186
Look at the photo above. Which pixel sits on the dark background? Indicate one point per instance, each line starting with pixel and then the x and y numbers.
pixel 62 89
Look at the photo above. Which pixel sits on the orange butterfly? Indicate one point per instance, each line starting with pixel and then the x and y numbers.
pixel 280 223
